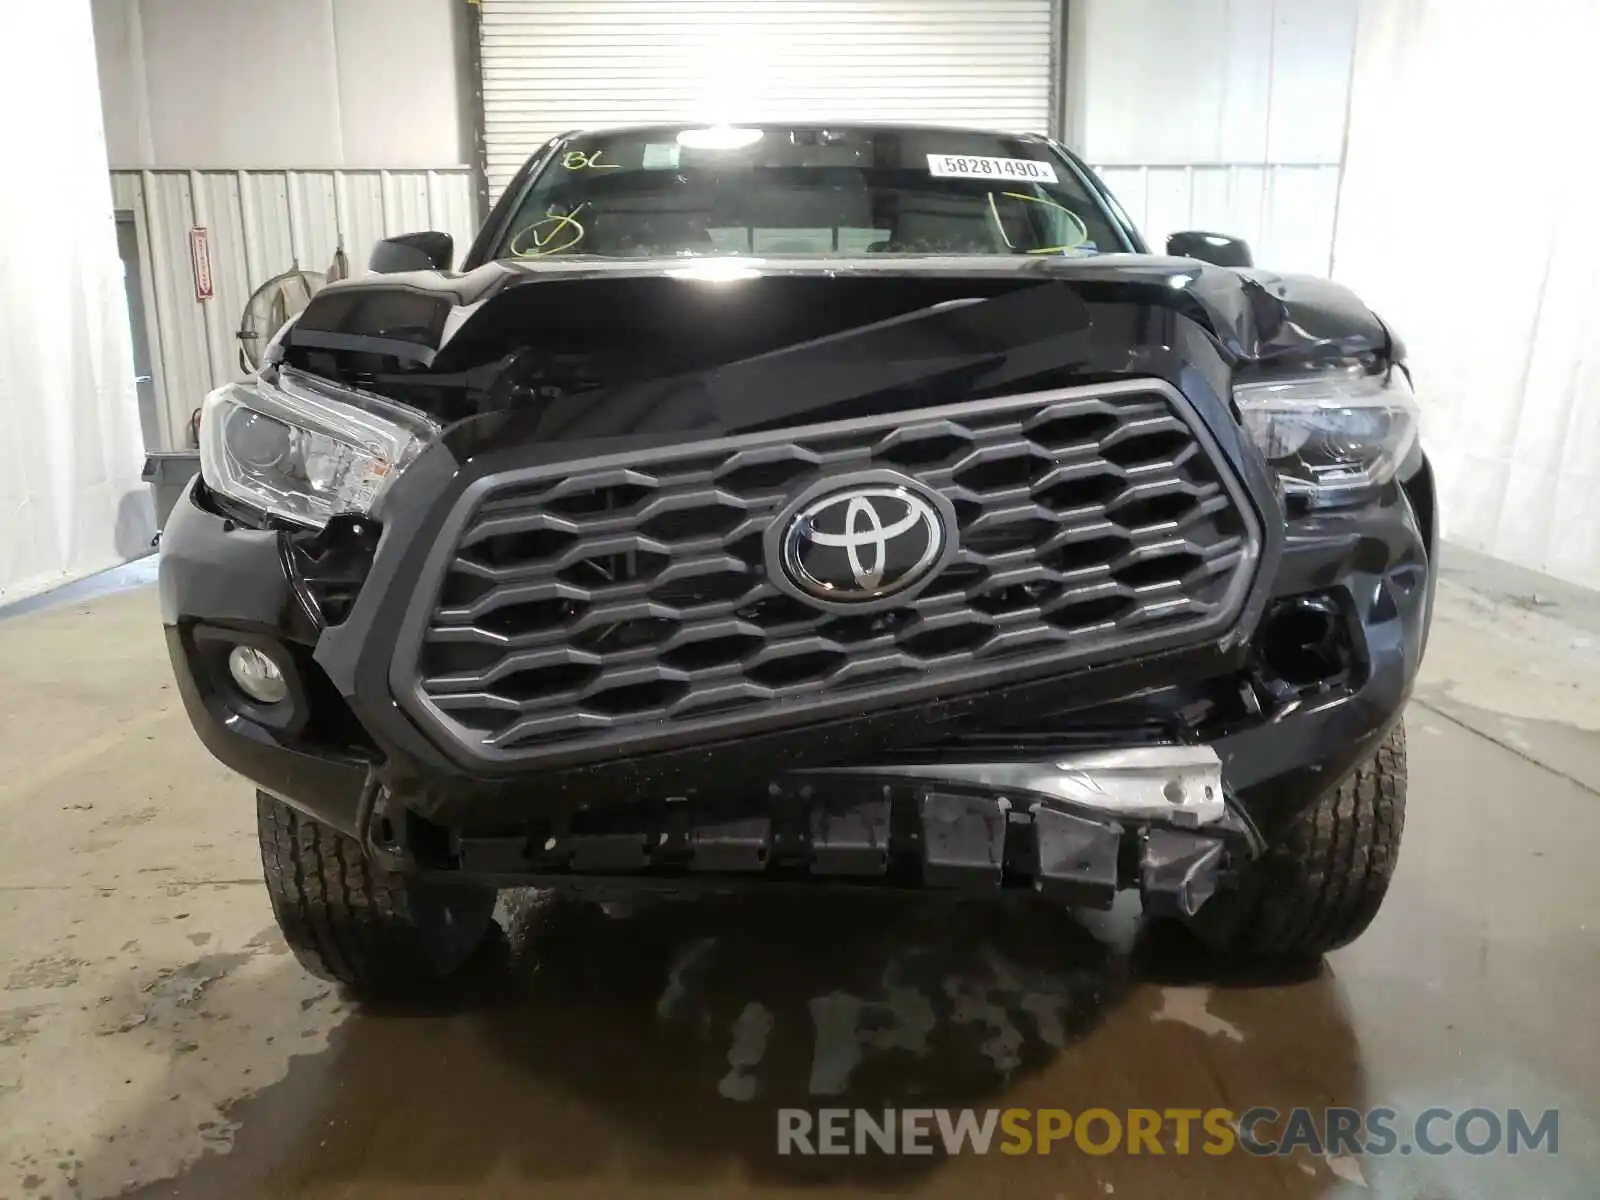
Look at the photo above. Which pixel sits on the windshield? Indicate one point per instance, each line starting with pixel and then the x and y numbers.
pixel 798 191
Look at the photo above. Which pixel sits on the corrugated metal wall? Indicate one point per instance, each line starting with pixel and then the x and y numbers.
pixel 1284 210
pixel 260 223
pixel 554 65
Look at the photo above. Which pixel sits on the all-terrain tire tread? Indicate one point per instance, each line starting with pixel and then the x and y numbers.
pixel 346 919
pixel 1320 885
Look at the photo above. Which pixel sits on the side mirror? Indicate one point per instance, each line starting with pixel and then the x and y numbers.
pixel 431 251
pixel 1218 249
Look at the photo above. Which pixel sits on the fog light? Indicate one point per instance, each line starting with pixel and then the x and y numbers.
pixel 257 675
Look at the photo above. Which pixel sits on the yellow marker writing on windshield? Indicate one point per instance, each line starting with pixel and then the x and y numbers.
pixel 579 160
pixel 1083 230
pixel 556 232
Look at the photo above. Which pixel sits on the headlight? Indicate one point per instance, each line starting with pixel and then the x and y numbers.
pixel 1331 438
pixel 301 448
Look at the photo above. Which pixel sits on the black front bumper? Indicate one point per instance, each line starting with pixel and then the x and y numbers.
pixel 1285 716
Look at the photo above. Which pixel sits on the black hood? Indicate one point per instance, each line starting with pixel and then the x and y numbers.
pixel 728 344
pixel 1255 315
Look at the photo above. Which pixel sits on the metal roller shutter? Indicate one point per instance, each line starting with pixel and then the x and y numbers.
pixel 554 65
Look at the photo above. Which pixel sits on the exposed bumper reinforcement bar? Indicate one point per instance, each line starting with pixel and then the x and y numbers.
pixel 1178 785
pixel 1076 828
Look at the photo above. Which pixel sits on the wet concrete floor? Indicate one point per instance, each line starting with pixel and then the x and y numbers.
pixel 156 1039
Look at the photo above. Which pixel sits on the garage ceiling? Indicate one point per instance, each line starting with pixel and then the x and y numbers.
pixel 554 65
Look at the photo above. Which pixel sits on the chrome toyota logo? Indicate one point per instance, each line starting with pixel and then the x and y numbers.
pixel 861 541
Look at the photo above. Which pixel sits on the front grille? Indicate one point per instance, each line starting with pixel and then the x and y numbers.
pixel 614 604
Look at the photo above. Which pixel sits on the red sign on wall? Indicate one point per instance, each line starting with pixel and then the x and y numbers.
pixel 200 256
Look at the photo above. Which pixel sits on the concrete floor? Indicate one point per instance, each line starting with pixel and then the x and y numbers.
pixel 156 1039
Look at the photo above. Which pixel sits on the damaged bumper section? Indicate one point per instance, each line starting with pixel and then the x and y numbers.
pixel 1077 829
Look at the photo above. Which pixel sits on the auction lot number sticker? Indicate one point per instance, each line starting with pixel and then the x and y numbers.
pixel 970 166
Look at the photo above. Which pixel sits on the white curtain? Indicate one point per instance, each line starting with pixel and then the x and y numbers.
pixel 71 501
pixel 1468 219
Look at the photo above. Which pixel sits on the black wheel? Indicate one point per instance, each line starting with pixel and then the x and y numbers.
pixel 1322 878
pixel 350 921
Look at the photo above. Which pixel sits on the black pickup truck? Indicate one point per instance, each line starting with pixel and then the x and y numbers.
pixel 803 506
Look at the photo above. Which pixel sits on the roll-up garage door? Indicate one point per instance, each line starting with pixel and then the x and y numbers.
pixel 554 65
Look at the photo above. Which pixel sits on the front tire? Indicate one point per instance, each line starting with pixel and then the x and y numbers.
pixel 349 921
pixel 1322 879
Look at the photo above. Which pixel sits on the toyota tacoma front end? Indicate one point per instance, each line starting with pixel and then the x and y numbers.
pixel 803 506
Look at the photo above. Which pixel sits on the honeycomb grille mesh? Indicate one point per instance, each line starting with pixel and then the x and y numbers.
pixel 608 605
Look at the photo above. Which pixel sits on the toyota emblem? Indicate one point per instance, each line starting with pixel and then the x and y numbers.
pixel 864 541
